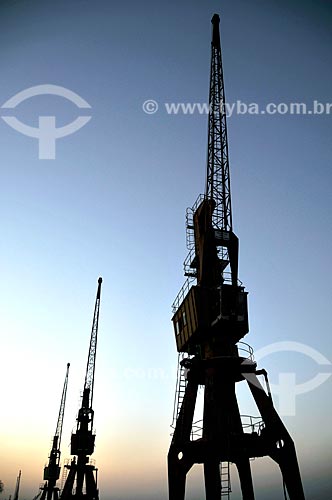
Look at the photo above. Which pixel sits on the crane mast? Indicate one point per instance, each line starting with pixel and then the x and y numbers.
pixel 210 317
pixel 83 440
pixel 52 470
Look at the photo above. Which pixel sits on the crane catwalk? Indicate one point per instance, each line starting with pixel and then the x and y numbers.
pixel 210 319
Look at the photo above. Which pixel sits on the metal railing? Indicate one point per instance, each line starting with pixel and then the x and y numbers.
pixel 191 279
pixel 188 270
pixel 182 293
pixel 245 351
pixel 250 424
pixel 190 237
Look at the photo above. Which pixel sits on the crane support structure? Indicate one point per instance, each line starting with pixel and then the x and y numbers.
pixel 210 319
pixel 52 471
pixel 81 482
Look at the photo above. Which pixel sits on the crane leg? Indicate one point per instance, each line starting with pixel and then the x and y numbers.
pixel 287 461
pixel 69 484
pixel 212 479
pixel 43 495
pixel 176 479
pixel 179 462
pixel 245 477
pixel 91 487
pixel 79 481
pixel 280 444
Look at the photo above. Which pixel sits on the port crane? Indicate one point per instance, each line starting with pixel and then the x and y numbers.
pixel 49 491
pixel 17 487
pixel 83 440
pixel 210 317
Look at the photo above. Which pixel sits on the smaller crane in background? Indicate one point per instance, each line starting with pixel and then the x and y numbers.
pixel 52 470
pixel 17 488
pixel 83 440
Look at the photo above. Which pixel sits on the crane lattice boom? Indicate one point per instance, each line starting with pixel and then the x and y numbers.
pixel 58 430
pixel 90 367
pixel 217 178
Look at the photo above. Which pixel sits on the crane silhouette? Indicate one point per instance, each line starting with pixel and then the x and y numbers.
pixel 210 319
pixel 83 440
pixel 52 470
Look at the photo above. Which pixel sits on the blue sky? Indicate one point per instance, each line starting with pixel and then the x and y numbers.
pixel 113 204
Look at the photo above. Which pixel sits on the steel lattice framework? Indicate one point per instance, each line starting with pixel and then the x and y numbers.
pixel 218 178
pixel 90 367
pixel 58 431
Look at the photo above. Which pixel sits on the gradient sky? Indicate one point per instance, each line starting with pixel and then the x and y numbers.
pixel 113 204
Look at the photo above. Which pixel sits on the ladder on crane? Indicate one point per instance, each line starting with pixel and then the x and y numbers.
pixel 64 474
pixel 181 384
pixel 225 479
